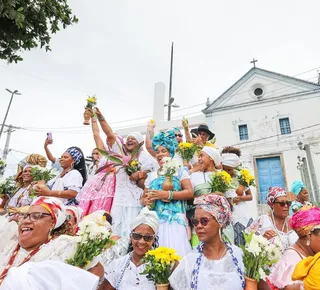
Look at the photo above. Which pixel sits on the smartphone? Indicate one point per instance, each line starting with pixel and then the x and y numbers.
pixel 49 136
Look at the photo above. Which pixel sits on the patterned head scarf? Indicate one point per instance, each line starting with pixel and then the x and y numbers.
pixel 146 217
pixel 305 219
pixel 55 207
pixel 217 206
pixel 76 154
pixel 275 192
pixel 297 187
pixel 308 271
pixel 166 139
pixel 176 129
pixel 32 159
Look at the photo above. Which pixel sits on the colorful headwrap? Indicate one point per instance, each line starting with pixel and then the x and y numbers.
pixel 213 154
pixel 275 192
pixel 176 129
pixel 137 135
pixel 230 159
pixel 297 186
pixel 166 139
pixel 216 205
pixel 146 217
pixel 54 206
pixel 307 270
pixel 305 219
pixel 32 159
pixel 77 212
pixel 75 154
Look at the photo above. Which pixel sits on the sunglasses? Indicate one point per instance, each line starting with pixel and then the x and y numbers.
pixel 178 135
pixel 34 216
pixel 137 237
pixel 203 221
pixel 315 232
pixel 283 203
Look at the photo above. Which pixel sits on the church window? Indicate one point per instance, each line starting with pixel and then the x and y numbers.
pixel 243 132
pixel 285 127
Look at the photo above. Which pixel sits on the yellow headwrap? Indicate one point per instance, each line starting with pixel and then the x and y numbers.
pixel 308 271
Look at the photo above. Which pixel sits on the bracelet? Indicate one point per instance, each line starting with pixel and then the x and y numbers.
pixel 170 197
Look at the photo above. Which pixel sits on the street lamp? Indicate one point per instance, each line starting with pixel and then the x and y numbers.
pixel 15 92
pixel 171 105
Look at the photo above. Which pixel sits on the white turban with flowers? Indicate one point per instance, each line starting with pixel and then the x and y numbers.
pixel 55 207
pixel 137 135
pixel 213 154
pixel 230 159
pixel 146 217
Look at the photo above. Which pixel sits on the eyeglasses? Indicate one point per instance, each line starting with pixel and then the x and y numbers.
pixel 179 135
pixel 69 217
pixel 34 216
pixel 315 232
pixel 137 237
pixel 283 203
pixel 203 221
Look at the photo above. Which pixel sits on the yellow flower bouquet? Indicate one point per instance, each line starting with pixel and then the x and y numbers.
pixel 159 264
pixel 245 178
pixel 220 181
pixel 133 166
pixel 89 109
pixel 187 150
pixel 91 102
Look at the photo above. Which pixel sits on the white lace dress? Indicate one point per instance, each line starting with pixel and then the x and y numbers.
pixel 131 276
pixel 213 274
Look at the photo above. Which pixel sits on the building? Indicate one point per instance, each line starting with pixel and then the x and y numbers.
pixel 267 114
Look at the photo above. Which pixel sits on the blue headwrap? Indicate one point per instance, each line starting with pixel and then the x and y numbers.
pixel 166 139
pixel 75 154
pixel 297 186
pixel 175 129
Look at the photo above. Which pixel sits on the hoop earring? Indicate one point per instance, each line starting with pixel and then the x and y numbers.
pixel 220 234
pixel 72 165
pixel 308 243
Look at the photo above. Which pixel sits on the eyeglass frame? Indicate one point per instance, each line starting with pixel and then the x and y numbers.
pixel 24 216
pixel 283 203
pixel 201 222
pixel 143 237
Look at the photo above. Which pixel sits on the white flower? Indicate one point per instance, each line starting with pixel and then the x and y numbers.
pixel 273 252
pixel 262 274
pixel 263 242
pixel 254 247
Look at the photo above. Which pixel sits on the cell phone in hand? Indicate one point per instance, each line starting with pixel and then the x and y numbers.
pixel 49 136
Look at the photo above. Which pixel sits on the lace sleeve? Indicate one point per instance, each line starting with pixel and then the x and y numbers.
pixel 120 249
pixel 180 278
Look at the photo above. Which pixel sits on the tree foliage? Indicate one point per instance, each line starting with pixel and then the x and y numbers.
pixel 26 24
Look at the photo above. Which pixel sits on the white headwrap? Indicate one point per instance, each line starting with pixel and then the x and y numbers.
pixel 137 135
pixel 48 275
pixel 230 159
pixel 146 217
pixel 213 154
pixel 28 165
pixel 98 218
pixel 77 212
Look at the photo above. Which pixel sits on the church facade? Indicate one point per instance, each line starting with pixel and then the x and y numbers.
pixel 266 115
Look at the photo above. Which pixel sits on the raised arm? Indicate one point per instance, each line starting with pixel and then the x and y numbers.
pixel 185 125
pixel 48 152
pixel 111 136
pixel 96 133
pixel 149 136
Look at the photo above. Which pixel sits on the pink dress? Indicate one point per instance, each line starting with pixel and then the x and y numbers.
pixel 98 191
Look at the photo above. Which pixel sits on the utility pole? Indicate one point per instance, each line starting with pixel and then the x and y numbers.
pixel 312 172
pixel 15 92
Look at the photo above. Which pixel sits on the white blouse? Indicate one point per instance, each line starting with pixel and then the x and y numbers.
pixel 21 198
pixel 132 278
pixel 71 181
pixel 213 274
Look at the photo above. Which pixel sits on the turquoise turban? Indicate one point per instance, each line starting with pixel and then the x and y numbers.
pixel 166 139
pixel 297 186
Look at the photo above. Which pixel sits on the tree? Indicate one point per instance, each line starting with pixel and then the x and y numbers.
pixel 26 24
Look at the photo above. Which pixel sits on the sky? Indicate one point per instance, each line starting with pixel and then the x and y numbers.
pixel 119 49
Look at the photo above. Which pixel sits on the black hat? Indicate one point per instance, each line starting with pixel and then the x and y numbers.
pixel 205 128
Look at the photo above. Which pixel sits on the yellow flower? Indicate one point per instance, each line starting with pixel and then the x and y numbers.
pixel 92 100
pixel 152 121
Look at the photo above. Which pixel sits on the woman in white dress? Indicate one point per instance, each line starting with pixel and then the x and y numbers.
pixel 126 202
pixel 125 273
pixel 69 182
pixel 169 205
pixel 277 223
pixel 46 216
pixel 241 218
pixel 215 265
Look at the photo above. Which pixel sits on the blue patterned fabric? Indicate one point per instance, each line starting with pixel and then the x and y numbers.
pixel 167 211
pixel 166 139
pixel 75 154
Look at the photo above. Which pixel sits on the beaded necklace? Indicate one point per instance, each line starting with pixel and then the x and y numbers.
pixel 124 270
pixel 14 255
pixel 196 269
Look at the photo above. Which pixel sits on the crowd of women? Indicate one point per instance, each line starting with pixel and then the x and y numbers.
pixel 38 231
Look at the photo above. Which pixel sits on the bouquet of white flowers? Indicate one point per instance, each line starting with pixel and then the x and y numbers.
pixel 42 175
pixel 170 166
pixel 259 255
pixel 8 186
pixel 93 238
